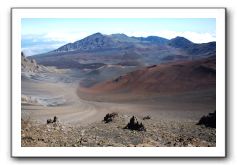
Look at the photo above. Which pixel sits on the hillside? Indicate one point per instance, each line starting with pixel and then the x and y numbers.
pixel 31 66
pixel 165 78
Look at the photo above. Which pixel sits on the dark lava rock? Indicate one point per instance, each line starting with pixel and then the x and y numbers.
pixel 54 120
pixel 109 117
pixel 135 125
pixel 49 121
pixel 209 120
pixel 146 118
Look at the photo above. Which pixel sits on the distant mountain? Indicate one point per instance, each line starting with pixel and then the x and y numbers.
pixel 192 48
pixel 92 42
pixel 180 42
pixel 99 49
pixel 99 41
pixel 153 39
pixel 205 49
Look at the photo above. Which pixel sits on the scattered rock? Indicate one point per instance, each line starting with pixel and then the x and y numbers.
pixel 54 120
pixel 49 121
pixel 146 117
pixel 208 121
pixel 109 117
pixel 118 79
pixel 135 125
pixel 159 133
pixel 130 145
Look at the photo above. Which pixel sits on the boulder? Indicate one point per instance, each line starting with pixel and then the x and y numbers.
pixel 109 117
pixel 54 120
pixel 135 125
pixel 146 117
pixel 49 121
pixel 209 120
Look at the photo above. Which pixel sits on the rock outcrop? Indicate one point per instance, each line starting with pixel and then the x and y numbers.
pixel 109 117
pixel 31 66
pixel 209 120
pixel 135 125
pixel 54 120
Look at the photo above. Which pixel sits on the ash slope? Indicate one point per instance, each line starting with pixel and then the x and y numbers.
pixel 175 77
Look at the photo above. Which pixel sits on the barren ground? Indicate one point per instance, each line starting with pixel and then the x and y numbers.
pixel 173 117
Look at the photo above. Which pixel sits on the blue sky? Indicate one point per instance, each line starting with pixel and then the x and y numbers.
pixel 40 35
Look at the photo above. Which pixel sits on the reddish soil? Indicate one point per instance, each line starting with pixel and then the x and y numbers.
pixel 172 77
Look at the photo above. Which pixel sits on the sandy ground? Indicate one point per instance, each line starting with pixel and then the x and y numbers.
pixel 173 117
pixel 60 98
pixel 72 110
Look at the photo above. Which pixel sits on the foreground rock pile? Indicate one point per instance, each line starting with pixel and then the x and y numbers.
pixel 103 134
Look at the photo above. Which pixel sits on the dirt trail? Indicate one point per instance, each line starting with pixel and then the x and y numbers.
pixel 58 96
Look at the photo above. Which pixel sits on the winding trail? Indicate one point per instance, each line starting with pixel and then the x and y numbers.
pixel 71 109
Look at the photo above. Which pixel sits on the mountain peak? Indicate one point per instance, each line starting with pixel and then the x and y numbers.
pixel 180 42
pixel 179 38
pixel 98 34
pixel 92 42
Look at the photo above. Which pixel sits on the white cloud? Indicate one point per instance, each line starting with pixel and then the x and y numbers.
pixel 39 48
pixel 65 37
pixel 42 43
pixel 192 36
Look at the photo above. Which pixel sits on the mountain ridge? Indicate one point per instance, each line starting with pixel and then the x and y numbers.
pixel 119 48
pixel 99 40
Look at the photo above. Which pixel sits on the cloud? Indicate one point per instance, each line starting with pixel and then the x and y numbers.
pixel 39 48
pixel 33 44
pixel 192 36
pixel 37 44
pixel 65 37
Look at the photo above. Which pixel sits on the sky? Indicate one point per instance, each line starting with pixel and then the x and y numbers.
pixel 40 35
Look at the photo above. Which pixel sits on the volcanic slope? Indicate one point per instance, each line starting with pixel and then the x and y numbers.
pixel 174 77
